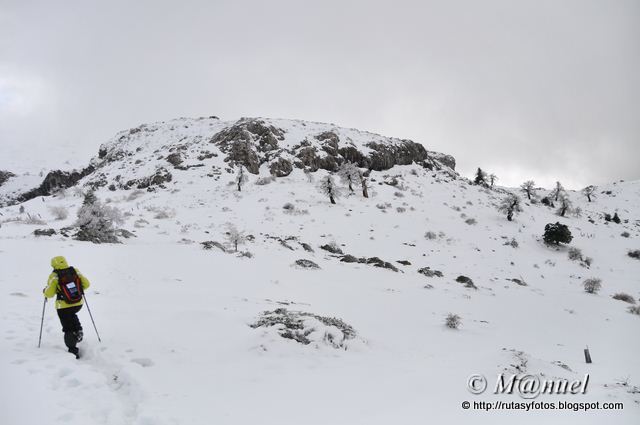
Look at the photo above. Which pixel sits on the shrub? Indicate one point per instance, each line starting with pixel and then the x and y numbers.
pixel 288 206
pixel 452 321
pixel 60 213
pixel 471 221
pixel 265 180
pixel 556 234
pixel 513 243
pixel 625 234
pixel 31 219
pixel 592 285
pixel 431 235
pixel 634 254
pixel 621 296
pixel 634 309
pixel 575 254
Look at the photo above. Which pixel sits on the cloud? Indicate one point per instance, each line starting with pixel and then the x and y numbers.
pixel 532 89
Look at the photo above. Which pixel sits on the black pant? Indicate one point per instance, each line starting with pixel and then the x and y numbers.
pixel 70 324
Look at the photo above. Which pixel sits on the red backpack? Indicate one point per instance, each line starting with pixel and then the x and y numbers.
pixel 70 287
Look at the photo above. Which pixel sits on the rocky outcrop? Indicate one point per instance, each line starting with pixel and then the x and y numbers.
pixel 4 176
pixel 56 180
pixel 280 168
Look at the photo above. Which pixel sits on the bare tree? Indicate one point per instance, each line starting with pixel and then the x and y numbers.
pixel 559 190
pixel 307 172
pixel 565 205
pixel 364 182
pixel 327 186
pixel 589 192
pixel 348 173
pixel 241 178
pixel 510 205
pixel 234 236
pixel 492 179
pixel 528 188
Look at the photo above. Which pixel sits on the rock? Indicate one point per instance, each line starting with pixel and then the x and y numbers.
pixel 430 273
pixel 4 176
pixel 332 248
pixel 161 176
pixel 349 259
pixel 404 262
pixel 306 264
pixel 306 246
pixel 175 159
pixel 56 180
pixel 280 168
pixel 467 281
pixel 44 232
pixel 211 244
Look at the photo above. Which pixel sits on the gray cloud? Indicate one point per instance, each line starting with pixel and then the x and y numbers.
pixel 530 89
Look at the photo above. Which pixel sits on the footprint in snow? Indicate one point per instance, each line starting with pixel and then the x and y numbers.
pixel 144 362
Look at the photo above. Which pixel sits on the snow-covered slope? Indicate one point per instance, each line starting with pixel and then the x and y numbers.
pixel 178 322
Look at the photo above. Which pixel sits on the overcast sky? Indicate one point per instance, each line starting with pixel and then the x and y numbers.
pixel 526 89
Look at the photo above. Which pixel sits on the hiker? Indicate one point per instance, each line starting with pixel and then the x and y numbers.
pixel 68 284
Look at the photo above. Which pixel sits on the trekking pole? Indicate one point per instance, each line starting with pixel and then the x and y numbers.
pixel 91 315
pixel 44 304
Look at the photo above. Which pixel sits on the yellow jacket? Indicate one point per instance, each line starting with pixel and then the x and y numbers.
pixel 59 263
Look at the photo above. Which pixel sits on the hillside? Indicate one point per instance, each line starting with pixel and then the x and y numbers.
pixel 184 336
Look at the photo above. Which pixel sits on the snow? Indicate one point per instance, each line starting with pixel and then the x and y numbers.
pixel 175 319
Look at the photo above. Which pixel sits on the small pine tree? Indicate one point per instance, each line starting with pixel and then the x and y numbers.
pixel 528 188
pixel 589 192
pixel 510 205
pixel 615 218
pixel 481 178
pixel 556 233
pixel 327 186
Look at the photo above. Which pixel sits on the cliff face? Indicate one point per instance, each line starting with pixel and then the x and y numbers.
pixel 152 155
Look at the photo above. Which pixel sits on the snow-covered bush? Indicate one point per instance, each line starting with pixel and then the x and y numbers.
pixel 621 296
pixel 513 243
pixel 625 234
pixel 265 180
pixel 349 174
pixel 452 321
pixel 59 212
pixel 592 285
pixel 97 222
pixel 430 235
pixel 575 254
pixel 32 219
pixel 307 328
pixel 634 309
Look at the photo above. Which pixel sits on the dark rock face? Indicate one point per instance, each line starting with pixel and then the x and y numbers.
pixel 430 273
pixel 56 180
pixel 4 176
pixel 332 248
pixel 307 264
pixel 161 176
pixel 244 139
pixel 175 159
pixel 280 168
pixel 252 142
pixel 467 281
